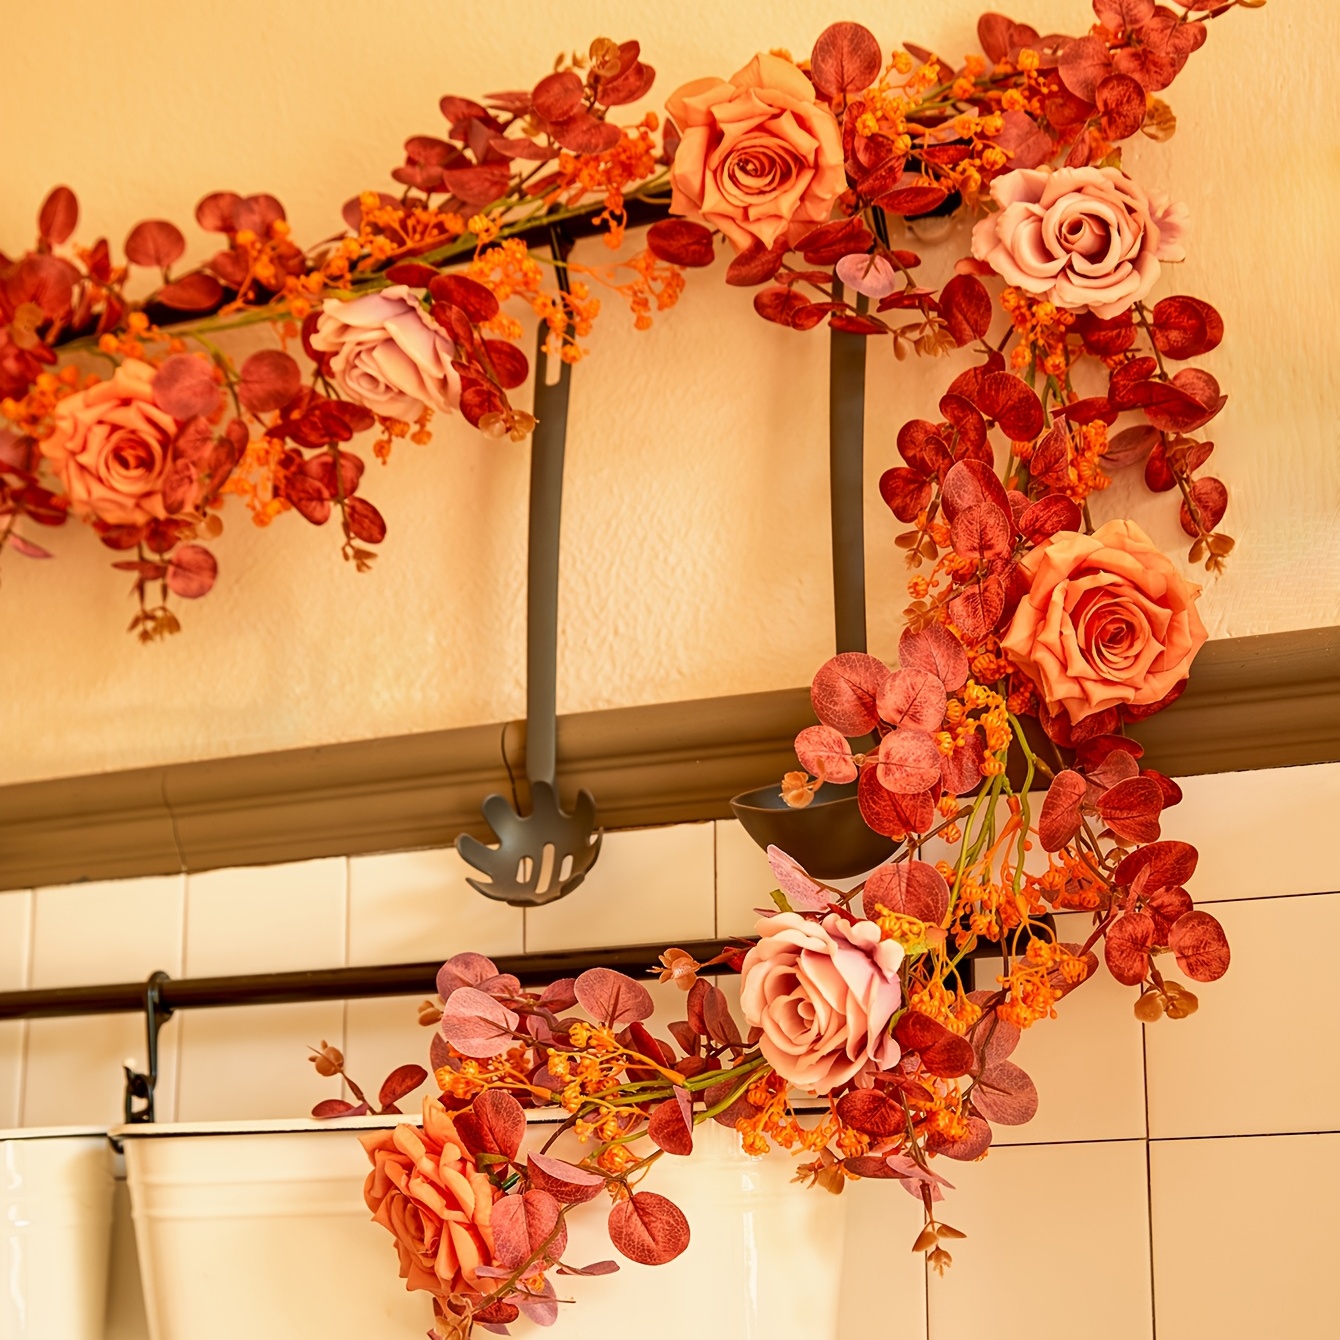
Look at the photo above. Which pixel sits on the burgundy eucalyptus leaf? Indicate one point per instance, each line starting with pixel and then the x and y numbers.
pixel 942 1053
pixel 185 387
pixel 648 1228
pixel 269 379
pixel 401 1081
pixel 612 998
pixel 477 1025
pixel 670 1126
pixel 893 815
pixel 909 762
pixel 937 650
pixel 466 969
pixel 156 243
pixel 1127 947
pixel 365 522
pixel 907 888
pixel 195 292
pixel 844 692
pixel 1201 947
pixel 1131 809
pixel 825 752
pixel 558 96
pixel 976 609
pixel 846 59
pixel 872 1112
pixel 58 217
pixel 191 572
pixel 494 1124
pixel 1006 1095
pixel 681 242
pixel 523 1225
pixel 564 1181
pixel 1049 516
pixel 966 308
pixel 912 697
pixel 1060 819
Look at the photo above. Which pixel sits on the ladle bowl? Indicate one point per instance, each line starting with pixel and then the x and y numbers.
pixel 828 837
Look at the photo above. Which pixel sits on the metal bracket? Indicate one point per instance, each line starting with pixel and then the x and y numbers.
pixel 140 1087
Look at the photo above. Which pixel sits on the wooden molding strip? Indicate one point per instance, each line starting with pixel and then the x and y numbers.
pixel 1258 702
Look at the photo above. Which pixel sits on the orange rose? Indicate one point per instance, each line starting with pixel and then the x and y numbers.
pixel 1108 620
pixel 424 1188
pixel 111 448
pixel 759 157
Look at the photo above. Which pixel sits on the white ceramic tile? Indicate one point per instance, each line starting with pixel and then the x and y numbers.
pixel 16 910
pixel 125 1296
pixel 1244 1236
pixel 650 886
pixel 1088 1062
pixel 112 931
pixel 13 1033
pixel 74 1074
pixel 1198 1068
pixel 744 879
pixel 109 931
pixel 381 1035
pixel 251 1060
pixel 411 906
pixel 883 1280
pixel 15 943
pixel 1227 816
pixel 270 918
pixel 1073 1219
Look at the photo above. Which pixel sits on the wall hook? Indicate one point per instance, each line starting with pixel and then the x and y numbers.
pixel 140 1087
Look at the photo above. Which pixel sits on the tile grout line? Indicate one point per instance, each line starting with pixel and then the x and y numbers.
pixel 25 1033
pixel 716 879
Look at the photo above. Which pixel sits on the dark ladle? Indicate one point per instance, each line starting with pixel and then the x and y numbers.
pixel 829 837
pixel 543 855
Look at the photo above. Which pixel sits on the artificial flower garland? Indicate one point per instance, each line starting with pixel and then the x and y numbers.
pixel 1028 611
pixel 807 170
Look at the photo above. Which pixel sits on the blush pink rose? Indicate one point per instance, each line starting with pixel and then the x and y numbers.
pixel 389 354
pixel 1083 238
pixel 111 448
pixel 1107 620
pixel 822 994
pixel 759 157
pixel 425 1189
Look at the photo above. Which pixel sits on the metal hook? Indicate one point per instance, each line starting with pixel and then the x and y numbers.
pixel 140 1087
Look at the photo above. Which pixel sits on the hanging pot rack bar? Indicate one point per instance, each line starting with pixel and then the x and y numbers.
pixel 361 983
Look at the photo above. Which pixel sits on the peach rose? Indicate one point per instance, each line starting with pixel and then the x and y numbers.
pixel 1108 620
pixel 1080 237
pixel 759 157
pixel 389 354
pixel 822 994
pixel 111 448
pixel 425 1189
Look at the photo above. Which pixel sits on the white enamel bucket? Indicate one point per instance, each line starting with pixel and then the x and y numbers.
pixel 55 1233
pixel 260 1228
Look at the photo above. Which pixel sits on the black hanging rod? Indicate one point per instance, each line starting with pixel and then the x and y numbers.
pixel 285 988
pixel 393 979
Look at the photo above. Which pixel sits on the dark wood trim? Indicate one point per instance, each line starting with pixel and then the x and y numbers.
pixel 1258 702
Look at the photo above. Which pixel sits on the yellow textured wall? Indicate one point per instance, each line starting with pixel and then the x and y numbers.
pixel 695 551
